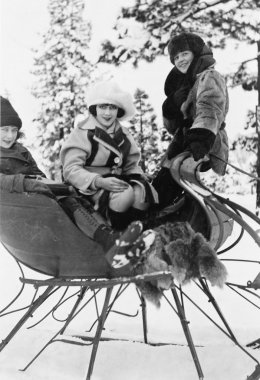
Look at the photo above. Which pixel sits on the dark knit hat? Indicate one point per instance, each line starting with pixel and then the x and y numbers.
pixel 8 115
pixel 183 42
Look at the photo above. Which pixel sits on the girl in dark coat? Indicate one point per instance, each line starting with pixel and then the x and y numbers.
pixel 195 108
pixel 18 169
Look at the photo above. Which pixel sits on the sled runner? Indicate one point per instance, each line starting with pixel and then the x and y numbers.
pixel 38 234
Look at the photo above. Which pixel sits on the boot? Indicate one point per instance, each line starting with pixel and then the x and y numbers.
pixel 121 254
pixel 137 214
pixel 94 226
pixel 119 220
pixel 90 222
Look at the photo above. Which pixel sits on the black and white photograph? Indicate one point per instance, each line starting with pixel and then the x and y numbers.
pixel 130 190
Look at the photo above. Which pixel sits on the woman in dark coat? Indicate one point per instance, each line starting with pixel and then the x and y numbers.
pixel 195 109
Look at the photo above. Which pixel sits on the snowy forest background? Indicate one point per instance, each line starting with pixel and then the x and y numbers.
pixel 71 52
pixel 52 50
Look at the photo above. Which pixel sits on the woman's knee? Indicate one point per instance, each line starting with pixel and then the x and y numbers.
pixel 122 201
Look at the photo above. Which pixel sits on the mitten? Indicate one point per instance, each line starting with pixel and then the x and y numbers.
pixel 199 141
pixel 34 186
pixel 12 183
pixel 198 150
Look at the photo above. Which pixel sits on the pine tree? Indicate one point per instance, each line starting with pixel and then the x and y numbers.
pixel 144 128
pixel 62 72
pixel 216 21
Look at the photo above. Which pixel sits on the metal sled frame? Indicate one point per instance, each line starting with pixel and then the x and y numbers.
pixel 53 284
pixel 219 215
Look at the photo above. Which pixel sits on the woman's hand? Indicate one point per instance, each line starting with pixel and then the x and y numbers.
pixel 111 184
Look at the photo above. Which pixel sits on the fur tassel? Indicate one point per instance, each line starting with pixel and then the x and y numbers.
pixel 154 262
pixel 210 266
pixel 186 253
pixel 193 258
pixel 179 254
pixel 150 292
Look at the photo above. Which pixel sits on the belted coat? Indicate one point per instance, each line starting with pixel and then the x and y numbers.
pixel 206 107
pixel 91 151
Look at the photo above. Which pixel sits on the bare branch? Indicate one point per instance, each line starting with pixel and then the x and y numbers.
pixel 198 8
pixel 250 60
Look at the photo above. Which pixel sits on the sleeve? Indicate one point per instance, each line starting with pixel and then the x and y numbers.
pixel 12 183
pixel 211 100
pixel 73 155
pixel 17 183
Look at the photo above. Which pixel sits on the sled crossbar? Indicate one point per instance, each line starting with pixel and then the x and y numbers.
pixel 95 283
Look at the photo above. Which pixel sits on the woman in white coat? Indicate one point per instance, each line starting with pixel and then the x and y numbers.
pixel 101 159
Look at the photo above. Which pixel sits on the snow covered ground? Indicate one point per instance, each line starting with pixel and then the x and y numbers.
pixel 129 358
pixel 220 358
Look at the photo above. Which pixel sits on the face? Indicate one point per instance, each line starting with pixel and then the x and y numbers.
pixel 106 114
pixel 182 60
pixel 8 135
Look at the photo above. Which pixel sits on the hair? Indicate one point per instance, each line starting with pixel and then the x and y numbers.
pixel 20 135
pixel 185 41
pixel 93 110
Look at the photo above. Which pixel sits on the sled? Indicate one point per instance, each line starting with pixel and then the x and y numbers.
pixel 39 235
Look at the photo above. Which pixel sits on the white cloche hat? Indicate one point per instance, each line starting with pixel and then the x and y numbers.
pixel 109 92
